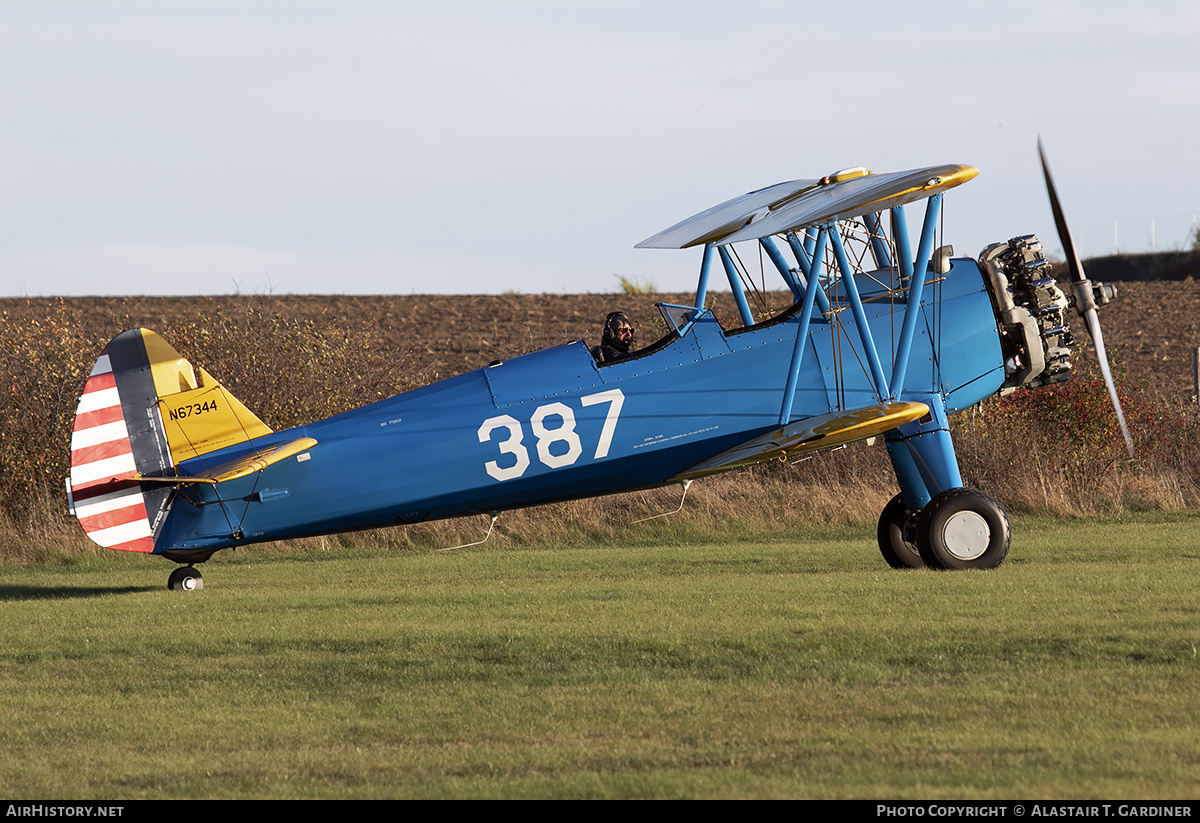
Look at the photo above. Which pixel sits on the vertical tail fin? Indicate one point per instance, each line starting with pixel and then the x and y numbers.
pixel 142 412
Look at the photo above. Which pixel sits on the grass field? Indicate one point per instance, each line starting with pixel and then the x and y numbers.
pixel 794 667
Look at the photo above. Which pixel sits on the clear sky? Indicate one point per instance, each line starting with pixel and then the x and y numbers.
pixel 467 146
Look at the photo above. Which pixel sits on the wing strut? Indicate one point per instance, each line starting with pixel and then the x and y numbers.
pixel 804 256
pixel 878 247
pixel 735 286
pixel 788 274
pixel 915 292
pixel 860 316
pixel 903 249
pixel 705 267
pixel 810 293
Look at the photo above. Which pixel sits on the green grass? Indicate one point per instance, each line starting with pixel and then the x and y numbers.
pixel 719 669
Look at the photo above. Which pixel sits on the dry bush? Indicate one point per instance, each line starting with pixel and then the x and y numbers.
pixel 1059 450
pixel 288 371
pixel 43 366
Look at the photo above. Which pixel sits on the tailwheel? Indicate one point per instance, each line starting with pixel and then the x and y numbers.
pixel 963 529
pixel 896 526
pixel 185 579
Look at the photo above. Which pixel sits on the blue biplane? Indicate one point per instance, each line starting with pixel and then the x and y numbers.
pixel 879 340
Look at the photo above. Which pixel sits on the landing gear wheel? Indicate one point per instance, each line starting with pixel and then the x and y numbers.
pixel 185 579
pixel 963 529
pixel 898 552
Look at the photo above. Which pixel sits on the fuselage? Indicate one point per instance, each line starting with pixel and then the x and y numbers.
pixel 555 425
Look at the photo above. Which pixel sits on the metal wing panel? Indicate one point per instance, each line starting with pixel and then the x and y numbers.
pixel 811 434
pixel 728 217
pixel 850 198
pixel 798 204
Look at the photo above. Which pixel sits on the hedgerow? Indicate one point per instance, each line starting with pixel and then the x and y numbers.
pixel 1051 451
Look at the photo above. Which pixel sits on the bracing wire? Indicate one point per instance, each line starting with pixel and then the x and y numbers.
pixel 747 281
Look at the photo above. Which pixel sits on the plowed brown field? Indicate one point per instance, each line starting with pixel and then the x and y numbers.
pixel 1151 329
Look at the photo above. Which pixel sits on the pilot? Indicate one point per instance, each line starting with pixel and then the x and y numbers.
pixel 617 339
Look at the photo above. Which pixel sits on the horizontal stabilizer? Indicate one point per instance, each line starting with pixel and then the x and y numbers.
pixel 794 206
pixel 810 435
pixel 242 466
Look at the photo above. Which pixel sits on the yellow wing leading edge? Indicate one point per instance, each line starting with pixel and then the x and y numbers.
pixel 812 434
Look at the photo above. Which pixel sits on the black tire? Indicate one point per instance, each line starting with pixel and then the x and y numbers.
pixel 963 529
pixel 185 579
pixel 898 552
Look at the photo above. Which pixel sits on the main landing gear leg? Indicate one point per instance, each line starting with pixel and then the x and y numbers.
pixel 185 579
pixel 934 517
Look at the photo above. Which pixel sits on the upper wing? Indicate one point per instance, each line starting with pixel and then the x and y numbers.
pixel 811 434
pixel 711 225
pixel 801 203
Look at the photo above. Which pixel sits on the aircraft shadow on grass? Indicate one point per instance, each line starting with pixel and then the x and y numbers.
pixel 19 593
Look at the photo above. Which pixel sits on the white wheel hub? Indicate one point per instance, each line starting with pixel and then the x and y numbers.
pixel 966 535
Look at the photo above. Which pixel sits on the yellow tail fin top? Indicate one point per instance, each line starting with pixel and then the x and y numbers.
pixel 198 416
